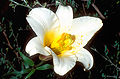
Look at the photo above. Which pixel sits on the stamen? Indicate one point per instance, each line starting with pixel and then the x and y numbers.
pixel 62 43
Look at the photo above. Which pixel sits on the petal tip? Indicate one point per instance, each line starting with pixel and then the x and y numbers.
pixel 85 58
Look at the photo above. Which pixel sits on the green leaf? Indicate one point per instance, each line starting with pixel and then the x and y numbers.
pixel 26 65
pixel 103 75
pixel 106 50
pixel 32 72
pixel 0 29
pixel 24 71
pixel 11 34
pixel 13 77
pixel 44 67
pixel 26 59
pixel 12 73
pixel 117 2
pixel 88 3
pixel 118 53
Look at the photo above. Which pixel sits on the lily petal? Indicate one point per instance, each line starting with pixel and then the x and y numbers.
pixel 85 58
pixel 65 15
pixel 86 27
pixel 45 19
pixel 62 64
pixel 34 46
pixel 37 28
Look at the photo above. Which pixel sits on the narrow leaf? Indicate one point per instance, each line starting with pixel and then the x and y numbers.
pixel 26 59
pixel 32 72
pixel 24 71
pixel 44 67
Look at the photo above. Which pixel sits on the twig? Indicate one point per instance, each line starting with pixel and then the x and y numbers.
pixel 83 8
pixel 7 40
pixel 48 5
pixel 84 0
pixel 106 59
pixel 25 1
pixel 21 4
pixel 109 76
pixel 37 2
pixel 93 1
pixel 10 44
pixel 98 11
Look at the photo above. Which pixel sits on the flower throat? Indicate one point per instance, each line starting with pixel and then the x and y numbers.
pixel 59 44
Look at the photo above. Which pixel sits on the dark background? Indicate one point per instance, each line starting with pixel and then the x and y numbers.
pixel 107 36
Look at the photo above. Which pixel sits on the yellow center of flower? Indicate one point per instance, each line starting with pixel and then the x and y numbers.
pixel 59 43
pixel 62 43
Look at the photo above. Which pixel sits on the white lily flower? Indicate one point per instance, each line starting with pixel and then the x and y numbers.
pixel 61 36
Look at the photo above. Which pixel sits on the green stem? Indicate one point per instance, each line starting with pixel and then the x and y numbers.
pixel 39 64
pixel 21 4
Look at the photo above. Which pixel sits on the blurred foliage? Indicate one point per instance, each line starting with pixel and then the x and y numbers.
pixel 110 67
pixel 15 33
